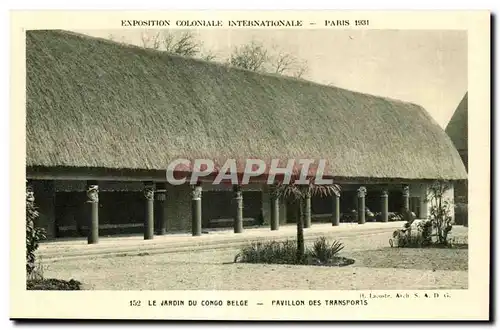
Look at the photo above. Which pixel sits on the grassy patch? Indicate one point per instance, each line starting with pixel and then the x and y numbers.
pixel 269 253
pixel 322 253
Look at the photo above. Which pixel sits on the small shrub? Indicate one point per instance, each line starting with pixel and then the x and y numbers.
pixel 323 251
pixel 425 228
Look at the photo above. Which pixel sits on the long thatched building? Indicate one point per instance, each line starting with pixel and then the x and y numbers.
pixel 105 119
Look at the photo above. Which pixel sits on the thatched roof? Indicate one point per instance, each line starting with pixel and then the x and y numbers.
pixel 457 127
pixel 96 103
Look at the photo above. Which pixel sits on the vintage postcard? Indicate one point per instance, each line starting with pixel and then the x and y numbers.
pixel 250 165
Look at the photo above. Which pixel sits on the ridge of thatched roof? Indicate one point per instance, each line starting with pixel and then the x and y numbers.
pixel 457 127
pixel 96 103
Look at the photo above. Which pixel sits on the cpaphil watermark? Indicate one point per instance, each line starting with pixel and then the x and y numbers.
pixel 303 170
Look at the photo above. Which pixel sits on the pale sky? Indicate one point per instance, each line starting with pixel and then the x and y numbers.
pixel 427 67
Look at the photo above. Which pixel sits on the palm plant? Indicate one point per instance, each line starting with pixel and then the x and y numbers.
pixel 300 192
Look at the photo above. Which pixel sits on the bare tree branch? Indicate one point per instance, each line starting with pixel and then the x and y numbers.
pixel 150 40
pixel 252 56
pixel 255 57
pixel 301 69
pixel 184 44
pixel 283 62
pixel 168 42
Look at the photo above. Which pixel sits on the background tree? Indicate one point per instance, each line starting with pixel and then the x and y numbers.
pixel 184 43
pixel 252 56
pixel 300 192
pixel 255 56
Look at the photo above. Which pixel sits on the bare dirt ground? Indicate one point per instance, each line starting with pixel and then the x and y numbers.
pixel 377 267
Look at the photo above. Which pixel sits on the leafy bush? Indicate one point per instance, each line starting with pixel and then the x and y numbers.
pixel 323 251
pixel 33 233
pixel 425 228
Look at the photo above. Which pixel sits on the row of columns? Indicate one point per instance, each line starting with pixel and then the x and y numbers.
pixel 361 206
pixel 384 197
pixel 150 191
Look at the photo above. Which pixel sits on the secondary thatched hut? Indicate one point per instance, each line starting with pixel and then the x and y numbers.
pixel 457 130
pixel 104 118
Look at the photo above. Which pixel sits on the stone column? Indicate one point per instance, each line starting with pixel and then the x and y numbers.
pixel 161 208
pixel 93 211
pixel 336 209
pixel 149 194
pixel 384 198
pixel 238 209
pixel 406 198
pixel 361 205
pixel 275 209
pixel 196 210
pixel 307 211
